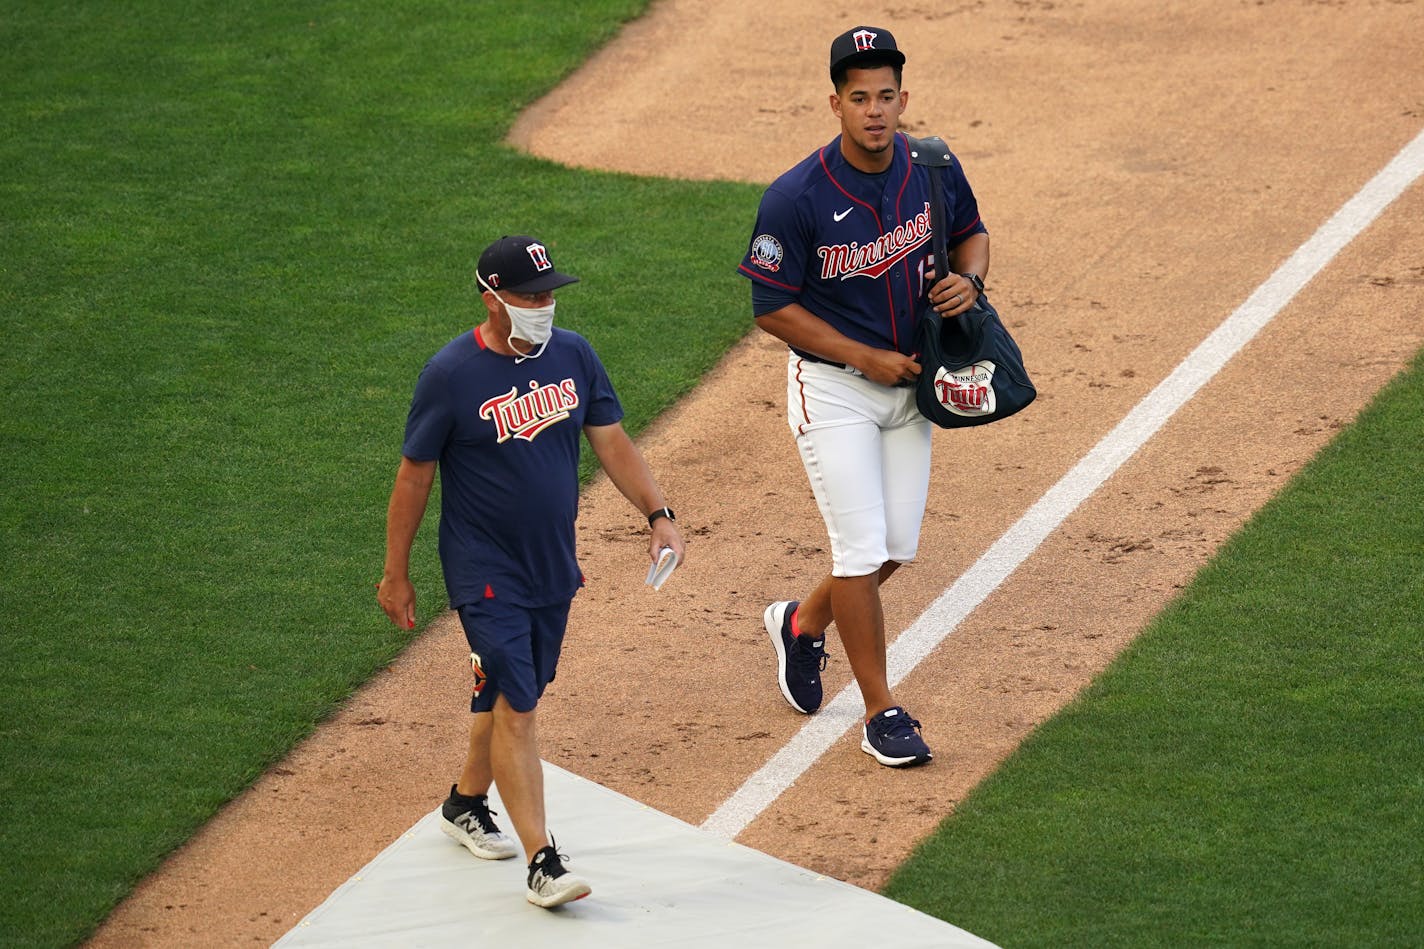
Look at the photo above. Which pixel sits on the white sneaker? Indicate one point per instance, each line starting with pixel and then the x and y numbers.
pixel 552 885
pixel 467 820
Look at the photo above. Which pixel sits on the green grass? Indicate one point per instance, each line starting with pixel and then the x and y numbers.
pixel 1251 771
pixel 230 237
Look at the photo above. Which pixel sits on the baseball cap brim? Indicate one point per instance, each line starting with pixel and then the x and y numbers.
pixel 879 57
pixel 549 280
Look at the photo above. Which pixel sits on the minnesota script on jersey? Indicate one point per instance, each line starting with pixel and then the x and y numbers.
pixel 854 248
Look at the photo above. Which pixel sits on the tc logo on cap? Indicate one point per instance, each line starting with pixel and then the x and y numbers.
pixel 864 40
pixel 540 256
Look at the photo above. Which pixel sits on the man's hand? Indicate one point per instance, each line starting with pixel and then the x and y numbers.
pixel 397 598
pixel 665 534
pixel 951 296
pixel 887 367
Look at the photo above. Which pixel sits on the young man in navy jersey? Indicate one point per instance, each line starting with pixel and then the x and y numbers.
pixel 500 412
pixel 841 266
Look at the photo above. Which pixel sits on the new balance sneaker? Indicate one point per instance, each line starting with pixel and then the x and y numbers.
pixel 468 820
pixel 799 659
pixel 893 738
pixel 550 884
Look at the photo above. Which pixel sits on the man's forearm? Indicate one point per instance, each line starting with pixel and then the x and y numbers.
pixel 626 467
pixel 405 512
pixel 795 325
pixel 799 327
pixel 971 256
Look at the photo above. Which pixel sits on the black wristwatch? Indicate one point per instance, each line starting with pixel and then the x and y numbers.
pixel 975 280
pixel 661 512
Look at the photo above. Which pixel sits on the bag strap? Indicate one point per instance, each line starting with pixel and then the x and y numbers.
pixel 930 150
pixel 933 153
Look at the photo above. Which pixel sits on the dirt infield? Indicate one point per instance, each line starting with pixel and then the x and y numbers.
pixel 1142 169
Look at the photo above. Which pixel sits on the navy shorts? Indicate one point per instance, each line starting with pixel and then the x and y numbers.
pixel 514 650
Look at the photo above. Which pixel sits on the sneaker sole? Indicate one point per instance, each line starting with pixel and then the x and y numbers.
pixel 772 618
pixel 575 889
pixel 911 761
pixel 468 842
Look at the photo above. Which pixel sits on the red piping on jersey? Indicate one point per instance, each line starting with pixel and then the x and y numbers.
pixel 890 308
pixel 905 182
pixel 971 227
pixel 900 216
pixel 801 390
pixel 889 294
pixel 480 337
pixel 765 279
pixel 822 156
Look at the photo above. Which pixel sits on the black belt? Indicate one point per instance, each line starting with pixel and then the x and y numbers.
pixel 825 362
pixel 902 384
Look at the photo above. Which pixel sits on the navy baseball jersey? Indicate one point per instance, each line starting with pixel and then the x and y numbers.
pixel 507 436
pixel 853 248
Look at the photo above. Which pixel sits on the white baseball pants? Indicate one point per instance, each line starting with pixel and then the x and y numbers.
pixel 866 450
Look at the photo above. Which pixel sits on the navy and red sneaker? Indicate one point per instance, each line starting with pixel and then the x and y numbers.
pixel 799 659
pixel 893 738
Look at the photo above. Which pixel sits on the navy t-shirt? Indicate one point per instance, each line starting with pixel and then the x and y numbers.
pixel 506 434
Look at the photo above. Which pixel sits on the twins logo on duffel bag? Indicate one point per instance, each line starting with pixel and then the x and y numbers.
pixel 968 391
pixel 973 370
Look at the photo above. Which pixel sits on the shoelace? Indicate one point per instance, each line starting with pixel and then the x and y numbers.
pixel 807 661
pixel 552 866
pixel 484 816
pixel 898 728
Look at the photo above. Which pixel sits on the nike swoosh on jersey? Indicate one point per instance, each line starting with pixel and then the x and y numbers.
pixel 841 216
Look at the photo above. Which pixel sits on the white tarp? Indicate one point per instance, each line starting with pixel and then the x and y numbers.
pixel 657 881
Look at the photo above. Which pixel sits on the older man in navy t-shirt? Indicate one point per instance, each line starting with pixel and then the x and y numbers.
pixel 500 411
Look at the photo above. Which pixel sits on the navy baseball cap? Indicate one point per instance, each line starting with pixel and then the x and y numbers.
pixel 520 264
pixel 864 44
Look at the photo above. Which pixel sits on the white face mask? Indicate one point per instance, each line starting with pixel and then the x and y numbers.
pixel 532 324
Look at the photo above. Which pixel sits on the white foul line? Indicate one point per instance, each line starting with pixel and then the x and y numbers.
pixel 1024 537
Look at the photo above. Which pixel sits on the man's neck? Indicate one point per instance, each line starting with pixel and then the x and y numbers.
pixel 500 343
pixel 870 163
